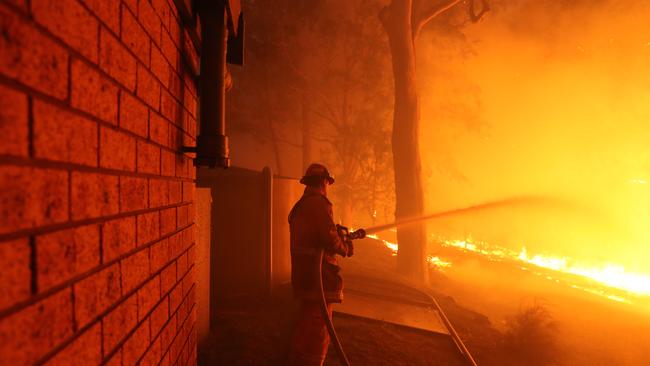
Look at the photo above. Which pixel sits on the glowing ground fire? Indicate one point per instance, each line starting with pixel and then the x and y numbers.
pixel 609 275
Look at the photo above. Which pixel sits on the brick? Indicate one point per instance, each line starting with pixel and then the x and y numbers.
pixel 167 221
pixel 132 5
pixel 158 192
pixel 174 26
pixel 85 350
pixel 150 20
pixel 189 279
pixel 63 136
pixel 94 195
pixel 189 125
pixel 32 58
pixel 116 60
pixel 115 360
pixel 159 255
pixel 189 235
pixel 170 50
pixel 159 129
pixel 176 346
pixel 191 254
pixel 119 322
pixel 170 108
pixel 148 227
pixel 15 277
pixel 135 270
pixel 174 12
pixel 183 167
pixel 175 193
pixel 159 317
pixel 188 141
pixel 189 189
pixel 189 102
pixel 93 93
pixel 118 238
pixel 13 122
pixel 175 138
pixel 167 163
pixel 134 37
pixel 181 265
pixel 190 84
pixel 161 8
pixel 32 197
pixel 94 294
pixel 133 193
pixel 152 356
pixel 107 11
pixel 148 297
pixel 148 158
pixel 117 150
pixel 182 216
pixel 159 65
pixel 167 278
pixel 148 88
pixel 176 246
pixel 175 84
pixel 27 335
pixel 134 115
pixel 175 298
pixel 70 22
pixel 168 333
pixel 191 213
pixel 64 254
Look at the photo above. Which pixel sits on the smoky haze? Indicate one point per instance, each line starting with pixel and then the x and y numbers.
pixel 543 98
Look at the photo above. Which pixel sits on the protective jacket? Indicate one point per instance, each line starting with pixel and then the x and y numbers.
pixel 312 228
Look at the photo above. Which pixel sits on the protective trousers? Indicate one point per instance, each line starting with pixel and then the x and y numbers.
pixel 310 337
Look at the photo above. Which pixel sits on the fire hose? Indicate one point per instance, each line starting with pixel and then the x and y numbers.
pixel 346 235
pixel 361 233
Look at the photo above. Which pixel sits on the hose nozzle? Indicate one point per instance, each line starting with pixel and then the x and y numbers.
pixel 344 232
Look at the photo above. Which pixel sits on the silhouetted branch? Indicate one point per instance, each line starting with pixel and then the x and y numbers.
pixel 423 16
pixel 485 7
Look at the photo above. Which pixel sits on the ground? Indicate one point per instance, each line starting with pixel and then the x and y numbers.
pixel 257 332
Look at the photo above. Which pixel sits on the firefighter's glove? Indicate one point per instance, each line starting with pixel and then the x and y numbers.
pixel 350 246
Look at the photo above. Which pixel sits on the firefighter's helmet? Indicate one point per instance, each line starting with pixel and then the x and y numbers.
pixel 316 171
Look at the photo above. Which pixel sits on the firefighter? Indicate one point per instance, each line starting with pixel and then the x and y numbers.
pixel 312 228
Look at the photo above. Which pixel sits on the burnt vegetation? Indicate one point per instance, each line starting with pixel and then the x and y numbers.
pixel 531 337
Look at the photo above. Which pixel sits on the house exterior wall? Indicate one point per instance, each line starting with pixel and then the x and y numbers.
pixel 96 201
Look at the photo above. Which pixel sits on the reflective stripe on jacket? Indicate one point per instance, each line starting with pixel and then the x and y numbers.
pixel 312 228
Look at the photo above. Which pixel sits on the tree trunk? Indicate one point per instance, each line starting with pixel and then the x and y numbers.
pixel 306 133
pixel 396 19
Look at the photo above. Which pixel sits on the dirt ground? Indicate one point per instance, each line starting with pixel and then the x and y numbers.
pixel 258 334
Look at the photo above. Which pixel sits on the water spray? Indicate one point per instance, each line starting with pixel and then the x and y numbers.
pixel 346 234
pixel 361 233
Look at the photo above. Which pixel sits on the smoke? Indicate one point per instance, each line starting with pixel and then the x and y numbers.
pixel 545 98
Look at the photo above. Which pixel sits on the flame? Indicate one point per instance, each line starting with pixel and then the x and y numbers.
pixel 610 275
pixel 438 263
pixel 392 246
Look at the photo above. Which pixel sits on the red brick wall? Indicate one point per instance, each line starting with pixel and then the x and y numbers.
pixel 96 200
